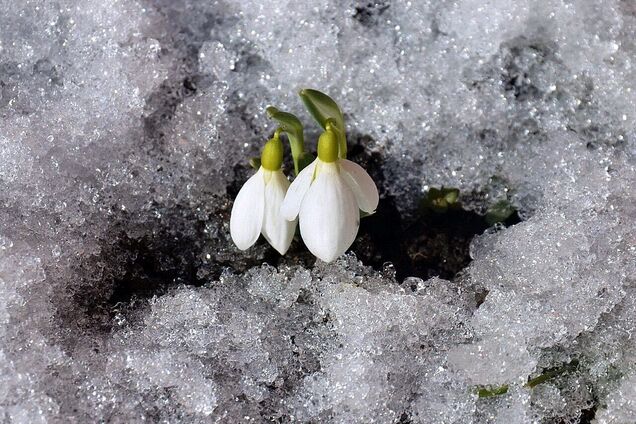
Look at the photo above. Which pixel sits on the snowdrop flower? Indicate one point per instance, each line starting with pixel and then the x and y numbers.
pixel 256 209
pixel 328 196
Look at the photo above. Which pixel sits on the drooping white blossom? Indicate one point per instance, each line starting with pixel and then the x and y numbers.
pixel 257 207
pixel 327 197
pixel 256 211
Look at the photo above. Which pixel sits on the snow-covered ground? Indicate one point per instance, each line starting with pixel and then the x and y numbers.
pixel 125 130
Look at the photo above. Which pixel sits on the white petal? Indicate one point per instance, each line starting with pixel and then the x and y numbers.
pixel 329 216
pixel 297 191
pixel 247 213
pixel 276 229
pixel 361 184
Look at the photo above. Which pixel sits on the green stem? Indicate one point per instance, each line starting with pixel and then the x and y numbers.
pixel 551 373
pixel 326 111
pixel 487 391
pixel 484 392
pixel 294 131
pixel 342 141
pixel 297 151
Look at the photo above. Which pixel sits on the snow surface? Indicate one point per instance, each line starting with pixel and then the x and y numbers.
pixel 125 127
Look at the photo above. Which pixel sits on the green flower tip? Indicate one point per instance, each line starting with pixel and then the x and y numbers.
pixel 272 155
pixel 328 146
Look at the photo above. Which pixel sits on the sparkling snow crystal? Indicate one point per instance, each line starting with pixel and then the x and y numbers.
pixel 125 131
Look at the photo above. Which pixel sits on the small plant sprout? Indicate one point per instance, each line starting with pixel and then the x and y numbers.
pixel 326 197
pixel 256 209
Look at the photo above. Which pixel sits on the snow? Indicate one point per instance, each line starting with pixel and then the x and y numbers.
pixel 125 131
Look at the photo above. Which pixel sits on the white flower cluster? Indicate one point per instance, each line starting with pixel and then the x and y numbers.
pixel 326 198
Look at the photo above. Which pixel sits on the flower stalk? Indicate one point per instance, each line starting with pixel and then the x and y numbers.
pixel 326 111
pixel 293 128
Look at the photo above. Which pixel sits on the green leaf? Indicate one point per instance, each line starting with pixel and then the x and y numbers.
pixel 499 212
pixel 553 372
pixel 325 110
pixel 441 199
pixel 287 121
pixel 487 391
pixel 292 126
